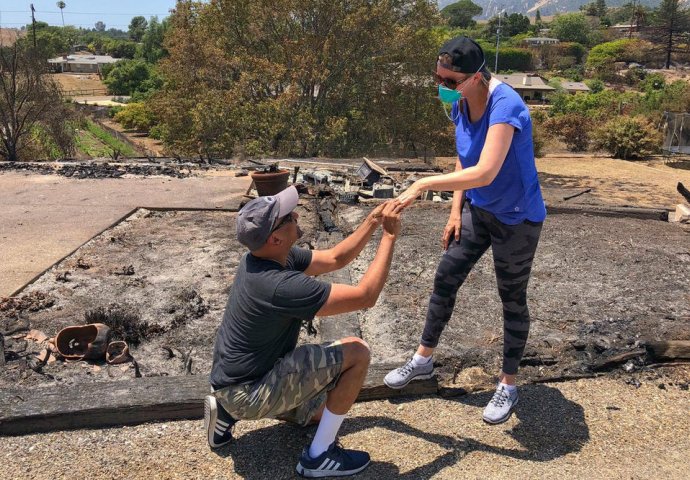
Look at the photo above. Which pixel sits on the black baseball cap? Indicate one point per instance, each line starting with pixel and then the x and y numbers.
pixel 461 54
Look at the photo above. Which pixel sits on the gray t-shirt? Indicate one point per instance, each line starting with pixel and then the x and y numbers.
pixel 267 305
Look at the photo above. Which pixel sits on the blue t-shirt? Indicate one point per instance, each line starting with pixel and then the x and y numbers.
pixel 514 195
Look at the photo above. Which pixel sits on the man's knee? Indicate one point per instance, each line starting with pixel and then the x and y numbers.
pixel 355 351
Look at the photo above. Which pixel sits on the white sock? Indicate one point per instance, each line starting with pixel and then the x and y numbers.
pixel 420 360
pixel 510 388
pixel 325 433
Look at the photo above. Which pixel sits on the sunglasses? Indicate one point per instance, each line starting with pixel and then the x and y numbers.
pixel 448 82
pixel 289 218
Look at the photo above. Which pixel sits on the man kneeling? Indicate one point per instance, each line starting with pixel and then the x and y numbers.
pixel 258 369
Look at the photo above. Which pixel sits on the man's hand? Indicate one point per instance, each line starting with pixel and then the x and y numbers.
pixel 375 217
pixel 453 229
pixel 391 218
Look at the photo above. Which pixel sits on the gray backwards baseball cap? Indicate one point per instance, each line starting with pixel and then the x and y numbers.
pixel 257 218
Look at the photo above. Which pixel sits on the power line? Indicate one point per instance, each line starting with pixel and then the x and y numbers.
pixel 104 13
pixel 87 13
pixel 70 25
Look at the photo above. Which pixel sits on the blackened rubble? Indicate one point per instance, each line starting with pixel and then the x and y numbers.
pixel 102 170
pixel 594 295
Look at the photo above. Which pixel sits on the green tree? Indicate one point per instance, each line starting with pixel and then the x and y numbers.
pixel 127 76
pixel 590 9
pixel 572 27
pixel 300 77
pixel 120 48
pixel 137 28
pixel 601 8
pixel 630 12
pixel 100 26
pixel 152 48
pixel 511 25
pixel 61 6
pixel 460 14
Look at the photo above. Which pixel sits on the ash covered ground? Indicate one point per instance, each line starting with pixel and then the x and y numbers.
pixel 600 286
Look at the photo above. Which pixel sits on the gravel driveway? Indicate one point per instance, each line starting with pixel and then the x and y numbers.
pixel 596 428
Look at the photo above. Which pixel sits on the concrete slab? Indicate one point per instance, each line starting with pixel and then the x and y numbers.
pixel 45 217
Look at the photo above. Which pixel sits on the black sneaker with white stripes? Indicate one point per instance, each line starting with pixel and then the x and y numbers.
pixel 217 422
pixel 334 462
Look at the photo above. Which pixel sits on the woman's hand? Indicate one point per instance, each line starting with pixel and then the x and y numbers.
pixel 452 230
pixel 408 197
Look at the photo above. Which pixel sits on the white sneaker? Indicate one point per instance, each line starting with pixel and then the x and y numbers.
pixel 501 406
pixel 400 377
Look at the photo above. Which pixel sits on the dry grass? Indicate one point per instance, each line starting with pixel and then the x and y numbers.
pixel 9 35
pixel 79 81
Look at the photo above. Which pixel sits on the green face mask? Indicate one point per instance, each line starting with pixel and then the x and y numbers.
pixel 447 95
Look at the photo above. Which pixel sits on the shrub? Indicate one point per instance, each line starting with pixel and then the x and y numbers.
pixel 634 76
pixel 135 115
pixel 595 85
pixel 597 106
pixel 572 128
pixel 538 139
pixel 653 81
pixel 509 58
pixel 602 57
pixel 628 137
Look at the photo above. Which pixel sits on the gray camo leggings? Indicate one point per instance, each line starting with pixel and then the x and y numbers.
pixel 513 248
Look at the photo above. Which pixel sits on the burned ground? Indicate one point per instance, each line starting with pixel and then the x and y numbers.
pixel 158 278
pixel 600 286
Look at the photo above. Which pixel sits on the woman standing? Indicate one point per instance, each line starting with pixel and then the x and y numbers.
pixel 497 203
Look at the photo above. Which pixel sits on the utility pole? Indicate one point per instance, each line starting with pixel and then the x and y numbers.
pixel 632 18
pixel 33 23
pixel 498 39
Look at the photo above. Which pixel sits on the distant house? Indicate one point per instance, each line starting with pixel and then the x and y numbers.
pixel 532 87
pixel 574 87
pixel 623 28
pixel 539 41
pixel 80 63
pixel 529 86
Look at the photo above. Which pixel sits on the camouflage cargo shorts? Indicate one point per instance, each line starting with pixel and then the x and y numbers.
pixel 293 390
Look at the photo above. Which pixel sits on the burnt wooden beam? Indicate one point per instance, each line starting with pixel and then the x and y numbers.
pixel 611 211
pixel 615 360
pixel 577 194
pixel 684 191
pixel 139 400
pixel 669 350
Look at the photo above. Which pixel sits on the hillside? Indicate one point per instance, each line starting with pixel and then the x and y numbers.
pixel 9 35
pixel 545 7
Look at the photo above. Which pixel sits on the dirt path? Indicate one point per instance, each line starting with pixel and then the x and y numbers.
pixel 593 429
pixel 613 182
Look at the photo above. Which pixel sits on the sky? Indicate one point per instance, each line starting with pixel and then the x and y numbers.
pixel 82 13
